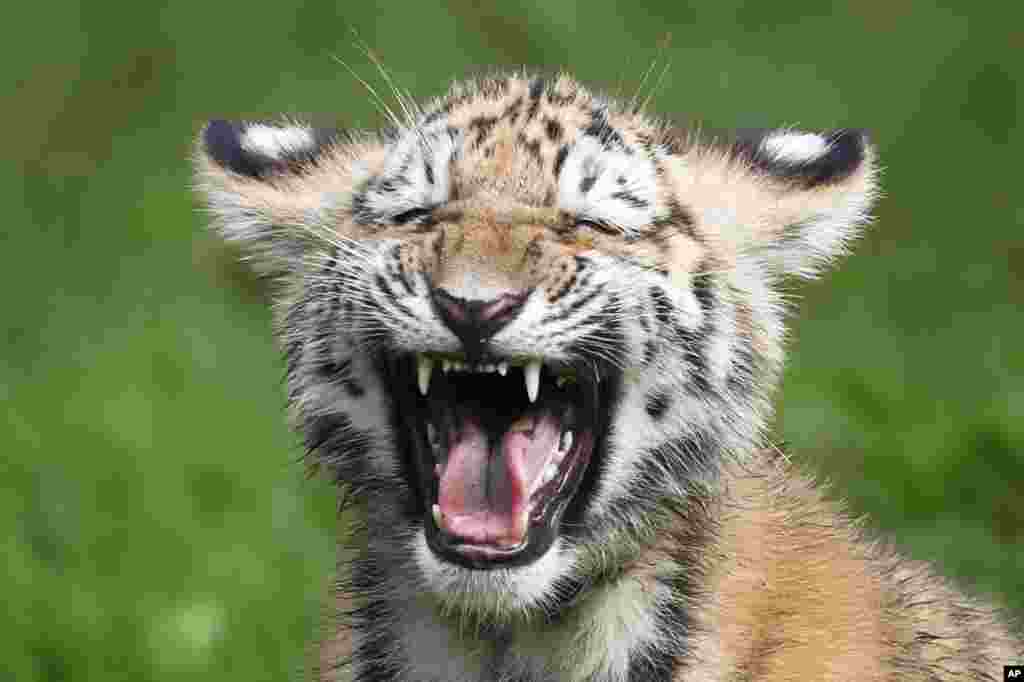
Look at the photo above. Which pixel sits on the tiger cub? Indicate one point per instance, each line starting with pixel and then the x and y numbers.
pixel 534 334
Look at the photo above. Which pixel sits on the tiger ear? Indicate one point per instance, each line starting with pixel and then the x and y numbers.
pixel 263 150
pixel 265 185
pixel 792 199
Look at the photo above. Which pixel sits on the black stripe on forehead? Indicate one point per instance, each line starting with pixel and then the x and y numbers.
pixel 512 111
pixel 536 87
pixel 563 152
pixel 536 91
pixel 678 218
pixel 482 125
pixel 609 137
pixel 553 129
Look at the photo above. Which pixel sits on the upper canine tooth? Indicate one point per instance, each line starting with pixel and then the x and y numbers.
pixel 424 368
pixel 502 368
pixel 532 373
pixel 446 365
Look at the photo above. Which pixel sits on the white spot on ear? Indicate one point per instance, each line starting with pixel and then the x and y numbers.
pixel 276 142
pixel 795 147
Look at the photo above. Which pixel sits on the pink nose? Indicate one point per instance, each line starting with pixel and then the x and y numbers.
pixel 473 321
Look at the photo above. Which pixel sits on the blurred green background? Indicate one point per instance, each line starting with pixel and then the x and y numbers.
pixel 154 517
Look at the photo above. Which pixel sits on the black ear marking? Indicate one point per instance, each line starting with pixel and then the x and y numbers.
pixel 262 149
pixel 807 159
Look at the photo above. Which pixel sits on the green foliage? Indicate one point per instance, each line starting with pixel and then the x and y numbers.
pixel 154 517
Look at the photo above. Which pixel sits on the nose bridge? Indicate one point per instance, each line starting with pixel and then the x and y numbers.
pixel 483 257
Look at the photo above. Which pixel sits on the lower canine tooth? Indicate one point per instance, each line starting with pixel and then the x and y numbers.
pixel 502 368
pixel 522 523
pixel 436 512
pixel 566 442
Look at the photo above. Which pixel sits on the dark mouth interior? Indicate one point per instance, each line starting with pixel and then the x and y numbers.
pixel 495 470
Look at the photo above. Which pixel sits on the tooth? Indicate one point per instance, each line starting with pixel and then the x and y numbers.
pixel 437 470
pixel 423 371
pixel 436 511
pixel 560 381
pixel 532 373
pixel 550 472
pixel 502 368
pixel 566 442
pixel 431 433
pixel 446 365
pixel 522 523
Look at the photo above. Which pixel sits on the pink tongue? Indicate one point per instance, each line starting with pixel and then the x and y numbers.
pixel 483 498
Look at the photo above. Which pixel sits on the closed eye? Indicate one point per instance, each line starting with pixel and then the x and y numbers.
pixel 597 226
pixel 412 215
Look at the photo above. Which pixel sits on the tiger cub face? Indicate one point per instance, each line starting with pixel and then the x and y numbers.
pixel 524 323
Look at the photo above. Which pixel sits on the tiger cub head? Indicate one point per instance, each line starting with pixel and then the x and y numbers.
pixel 525 322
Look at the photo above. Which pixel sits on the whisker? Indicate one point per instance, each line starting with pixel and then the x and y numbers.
pixel 377 99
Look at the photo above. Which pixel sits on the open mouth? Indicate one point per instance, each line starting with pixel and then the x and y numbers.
pixel 498 447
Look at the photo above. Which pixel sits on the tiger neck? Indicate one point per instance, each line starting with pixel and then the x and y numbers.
pixel 616 633
pixel 625 628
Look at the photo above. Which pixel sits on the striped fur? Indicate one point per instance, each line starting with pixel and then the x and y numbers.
pixel 689 553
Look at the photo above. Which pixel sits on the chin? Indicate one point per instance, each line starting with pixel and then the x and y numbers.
pixel 498 595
